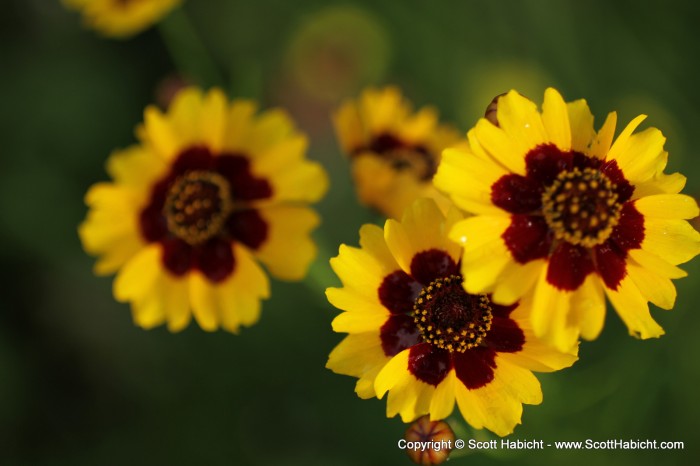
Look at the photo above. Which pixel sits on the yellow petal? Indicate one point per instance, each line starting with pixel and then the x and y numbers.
pixel 307 181
pixel 588 307
pixel 675 241
pixel 348 127
pixel 468 179
pixel 422 228
pixel 159 134
pixel 288 248
pixel 581 122
pixel 668 206
pixel 203 302
pixel 655 288
pixel 382 109
pixel 239 122
pixel 640 156
pixel 515 280
pixel 443 401
pixel 292 177
pixel 365 384
pixel 212 120
pixel 555 118
pixel 357 355
pixel 150 311
pixel 500 146
pixel 409 398
pixel 393 373
pixel 135 167
pixel 364 319
pixel 380 186
pixel 655 263
pixel 137 276
pixel 485 255
pixel 474 233
pixel 372 241
pixel 522 122
pixel 185 115
pixel 550 315
pixel 269 129
pixel 601 144
pixel 519 382
pixel 490 407
pixel 660 184
pixel 177 303
pixel 239 297
pixel 537 355
pixel 419 127
pixel 634 310
pixel 361 274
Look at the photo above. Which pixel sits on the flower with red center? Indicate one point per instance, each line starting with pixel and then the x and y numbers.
pixel 121 18
pixel 571 216
pixel 415 333
pixel 210 188
pixel 394 152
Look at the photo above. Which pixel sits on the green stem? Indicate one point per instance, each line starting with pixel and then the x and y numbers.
pixel 185 45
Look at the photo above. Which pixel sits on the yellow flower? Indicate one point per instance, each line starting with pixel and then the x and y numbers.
pixel 210 188
pixel 563 212
pixel 121 18
pixel 394 153
pixel 414 332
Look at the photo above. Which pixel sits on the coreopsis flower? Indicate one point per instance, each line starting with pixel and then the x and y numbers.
pixel 121 18
pixel 568 215
pixel 415 333
pixel 210 190
pixel 394 153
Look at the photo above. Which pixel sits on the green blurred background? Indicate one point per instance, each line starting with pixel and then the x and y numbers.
pixel 80 384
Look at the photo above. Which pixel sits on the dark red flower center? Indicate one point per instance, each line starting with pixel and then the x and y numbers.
pixel 575 210
pixel 203 204
pixel 581 206
pixel 197 206
pixel 450 318
pixel 402 155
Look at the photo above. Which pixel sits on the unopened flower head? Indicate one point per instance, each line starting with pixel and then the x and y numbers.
pixel 428 442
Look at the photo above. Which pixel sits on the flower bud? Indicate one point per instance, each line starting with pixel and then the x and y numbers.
pixel 432 441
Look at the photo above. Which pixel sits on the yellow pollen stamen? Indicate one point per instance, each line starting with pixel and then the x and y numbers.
pixel 451 319
pixel 197 206
pixel 581 207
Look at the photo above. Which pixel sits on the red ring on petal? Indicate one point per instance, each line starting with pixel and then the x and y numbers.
pixel 475 368
pixel 428 363
pixel 398 292
pixel 398 333
pixel 568 267
pixel 527 238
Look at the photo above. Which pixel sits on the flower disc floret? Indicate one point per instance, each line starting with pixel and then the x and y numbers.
pixel 449 318
pixel 581 206
pixel 197 206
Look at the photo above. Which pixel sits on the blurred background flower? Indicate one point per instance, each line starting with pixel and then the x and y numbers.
pixel 121 18
pixel 83 385
pixel 210 189
pixel 394 151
